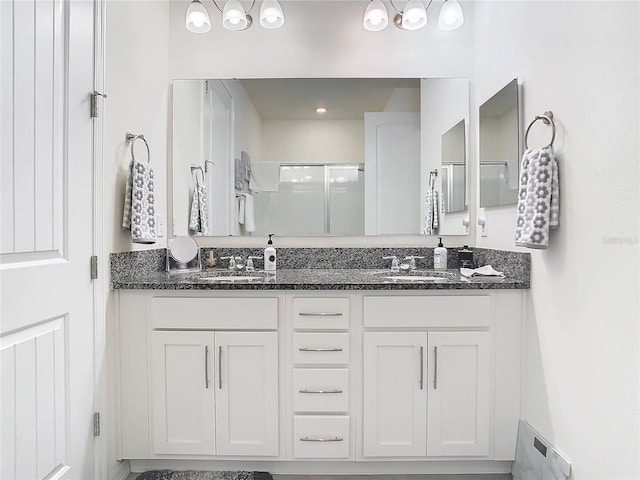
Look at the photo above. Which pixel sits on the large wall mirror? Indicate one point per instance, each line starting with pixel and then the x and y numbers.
pixel 500 150
pixel 259 156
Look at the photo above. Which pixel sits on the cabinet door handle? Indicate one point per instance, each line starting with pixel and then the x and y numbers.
pixel 320 391
pixel 332 349
pixel 421 368
pixel 219 367
pixel 321 439
pixel 206 366
pixel 435 368
pixel 320 314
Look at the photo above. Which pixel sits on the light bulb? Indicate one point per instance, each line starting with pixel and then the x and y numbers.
pixel 375 16
pixel 414 15
pixel 234 16
pixel 451 16
pixel 197 18
pixel 271 15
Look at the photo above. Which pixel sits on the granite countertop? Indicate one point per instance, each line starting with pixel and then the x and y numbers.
pixel 313 279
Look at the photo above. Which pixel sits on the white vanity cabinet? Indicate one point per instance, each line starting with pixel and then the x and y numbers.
pixel 204 370
pixel 352 378
pixel 208 386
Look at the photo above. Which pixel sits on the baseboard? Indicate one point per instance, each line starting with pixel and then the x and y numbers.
pixel 329 467
pixel 122 472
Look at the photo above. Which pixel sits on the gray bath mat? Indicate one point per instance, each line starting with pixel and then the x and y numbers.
pixel 202 475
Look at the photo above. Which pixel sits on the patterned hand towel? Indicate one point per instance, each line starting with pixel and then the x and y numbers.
pixel 538 198
pixel 432 210
pixel 139 203
pixel 199 218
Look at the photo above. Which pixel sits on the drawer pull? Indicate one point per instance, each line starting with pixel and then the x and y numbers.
pixel 321 439
pixel 320 314
pixel 219 367
pixel 435 368
pixel 332 349
pixel 320 391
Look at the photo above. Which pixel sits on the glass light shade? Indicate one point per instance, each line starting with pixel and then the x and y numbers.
pixel 451 16
pixel 234 16
pixel 197 18
pixel 271 15
pixel 414 15
pixel 375 16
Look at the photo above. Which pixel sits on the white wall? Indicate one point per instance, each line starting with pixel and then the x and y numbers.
pixel 313 141
pixel 137 86
pixel 579 59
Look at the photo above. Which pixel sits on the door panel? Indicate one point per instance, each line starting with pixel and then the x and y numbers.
pixel 247 393
pixel 394 394
pixel 459 380
pixel 182 391
pixel 46 240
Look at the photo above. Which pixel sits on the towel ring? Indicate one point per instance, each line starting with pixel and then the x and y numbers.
pixel 196 168
pixel 547 119
pixel 131 138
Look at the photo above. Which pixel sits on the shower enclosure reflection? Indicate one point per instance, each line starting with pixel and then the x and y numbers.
pixel 313 200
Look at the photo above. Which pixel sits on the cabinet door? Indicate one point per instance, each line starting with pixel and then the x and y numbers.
pixel 182 407
pixel 459 389
pixel 247 393
pixel 395 395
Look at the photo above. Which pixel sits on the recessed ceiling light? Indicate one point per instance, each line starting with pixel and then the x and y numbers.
pixel 321 110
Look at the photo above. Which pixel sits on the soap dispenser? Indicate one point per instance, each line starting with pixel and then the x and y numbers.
pixel 270 256
pixel 440 256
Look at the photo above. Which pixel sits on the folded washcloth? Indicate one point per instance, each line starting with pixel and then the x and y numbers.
pixel 245 212
pixel 264 177
pixel 139 214
pixel 486 271
pixel 199 218
pixel 538 198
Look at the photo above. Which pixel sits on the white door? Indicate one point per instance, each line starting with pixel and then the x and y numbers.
pixel 459 389
pixel 392 189
pixel 46 240
pixel 182 392
pixel 247 393
pixel 395 394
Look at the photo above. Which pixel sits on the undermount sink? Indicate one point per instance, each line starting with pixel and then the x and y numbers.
pixel 415 278
pixel 229 278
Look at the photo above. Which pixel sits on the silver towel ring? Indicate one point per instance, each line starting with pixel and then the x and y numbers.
pixel 547 119
pixel 131 138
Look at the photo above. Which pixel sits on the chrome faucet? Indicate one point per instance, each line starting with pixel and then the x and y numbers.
pixel 236 264
pixel 249 267
pixel 394 263
pixel 409 263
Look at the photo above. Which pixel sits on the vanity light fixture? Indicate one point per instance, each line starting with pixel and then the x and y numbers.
pixel 234 16
pixel 413 17
pixel 451 16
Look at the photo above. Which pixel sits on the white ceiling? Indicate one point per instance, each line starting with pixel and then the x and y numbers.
pixel 344 98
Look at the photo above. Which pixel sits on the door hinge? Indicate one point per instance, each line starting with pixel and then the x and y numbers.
pixel 96 424
pixel 94 103
pixel 94 267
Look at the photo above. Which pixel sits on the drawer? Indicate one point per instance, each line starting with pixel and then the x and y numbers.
pixel 321 436
pixel 320 313
pixel 214 313
pixel 321 348
pixel 320 390
pixel 428 311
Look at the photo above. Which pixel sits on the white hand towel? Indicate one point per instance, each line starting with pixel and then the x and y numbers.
pixel 245 212
pixel 538 198
pixel 139 214
pixel 199 218
pixel 486 271
pixel 264 177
